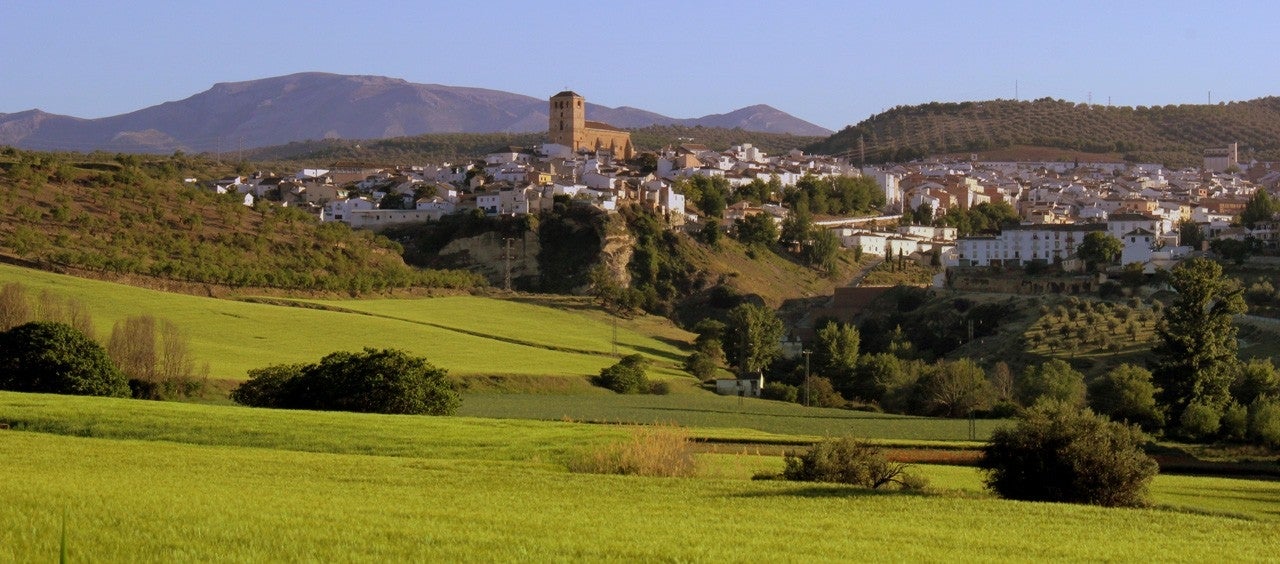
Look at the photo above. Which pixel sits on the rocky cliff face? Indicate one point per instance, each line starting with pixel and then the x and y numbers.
pixel 487 255
pixel 616 250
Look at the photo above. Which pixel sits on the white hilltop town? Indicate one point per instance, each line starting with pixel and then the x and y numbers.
pixel 1143 205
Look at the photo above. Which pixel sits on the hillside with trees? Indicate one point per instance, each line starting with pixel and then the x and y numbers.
pixel 127 215
pixel 1175 135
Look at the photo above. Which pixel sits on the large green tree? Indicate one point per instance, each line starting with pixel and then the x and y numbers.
pixel 823 251
pixel 1126 394
pixel 1261 207
pixel 1190 234
pixel 835 351
pixel 1053 380
pixel 758 229
pixel 1099 248
pixel 752 338
pixel 56 358
pixel 953 389
pixel 1197 351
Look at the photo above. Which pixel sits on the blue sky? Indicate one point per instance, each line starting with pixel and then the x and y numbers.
pixel 833 63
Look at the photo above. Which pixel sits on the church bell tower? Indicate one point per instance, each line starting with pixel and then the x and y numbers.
pixel 568 119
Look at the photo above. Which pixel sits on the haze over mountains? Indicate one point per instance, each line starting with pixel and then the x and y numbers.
pixel 274 111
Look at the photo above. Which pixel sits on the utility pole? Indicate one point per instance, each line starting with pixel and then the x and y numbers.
pixel 806 353
pixel 507 281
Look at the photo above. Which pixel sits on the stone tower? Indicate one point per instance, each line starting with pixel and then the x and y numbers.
pixel 568 119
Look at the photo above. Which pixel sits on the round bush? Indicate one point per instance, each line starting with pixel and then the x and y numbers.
pixel 847 461
pixel 1059 453
pixel 700 365
pixel 625 377
pixel 1199 422
pixel 780 392
pixel 1264 422
pixel 56 358
pixel 371 381
pixel 1126 394
pixel 268 387
pixel 1235 422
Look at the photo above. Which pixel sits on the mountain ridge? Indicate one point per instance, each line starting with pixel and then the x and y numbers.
pixel 317 105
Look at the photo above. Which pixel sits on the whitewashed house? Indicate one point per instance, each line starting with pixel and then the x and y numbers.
pixel 746 387
pixel 341 209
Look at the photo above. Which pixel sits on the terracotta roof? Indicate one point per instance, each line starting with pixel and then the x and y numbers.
pixel 600 125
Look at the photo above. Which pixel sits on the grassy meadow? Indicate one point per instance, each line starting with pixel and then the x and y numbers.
pixel 149 481
pixel 469 336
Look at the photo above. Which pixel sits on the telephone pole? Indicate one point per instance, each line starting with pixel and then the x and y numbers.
pixel 806 354
pixel 507 255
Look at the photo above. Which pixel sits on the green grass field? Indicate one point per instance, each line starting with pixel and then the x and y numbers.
pixel 148 481
pixel 466 335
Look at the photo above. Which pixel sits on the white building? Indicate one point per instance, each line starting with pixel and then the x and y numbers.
pixel 373 219
pixel 1018 245
pixel 341 209
pixel 1139 244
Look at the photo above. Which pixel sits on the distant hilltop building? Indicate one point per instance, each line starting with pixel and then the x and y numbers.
pixel 569 127
pixel 1222 158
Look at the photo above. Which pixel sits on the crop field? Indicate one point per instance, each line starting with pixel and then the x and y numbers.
pixel 234 337
pixel 150 481
pixel 725 412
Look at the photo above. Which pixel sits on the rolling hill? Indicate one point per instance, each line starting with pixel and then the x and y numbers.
pixel 1174 135
pixel 458 333
pixel 272 111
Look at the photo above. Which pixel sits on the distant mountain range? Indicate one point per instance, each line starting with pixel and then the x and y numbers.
pixel 274 111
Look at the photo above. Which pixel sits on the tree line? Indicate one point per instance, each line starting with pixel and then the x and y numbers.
pixel 1195 388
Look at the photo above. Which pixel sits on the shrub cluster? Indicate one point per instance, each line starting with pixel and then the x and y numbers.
pixel 628 377
pixel 372 381
pixel 848 461
pixel 1057 452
